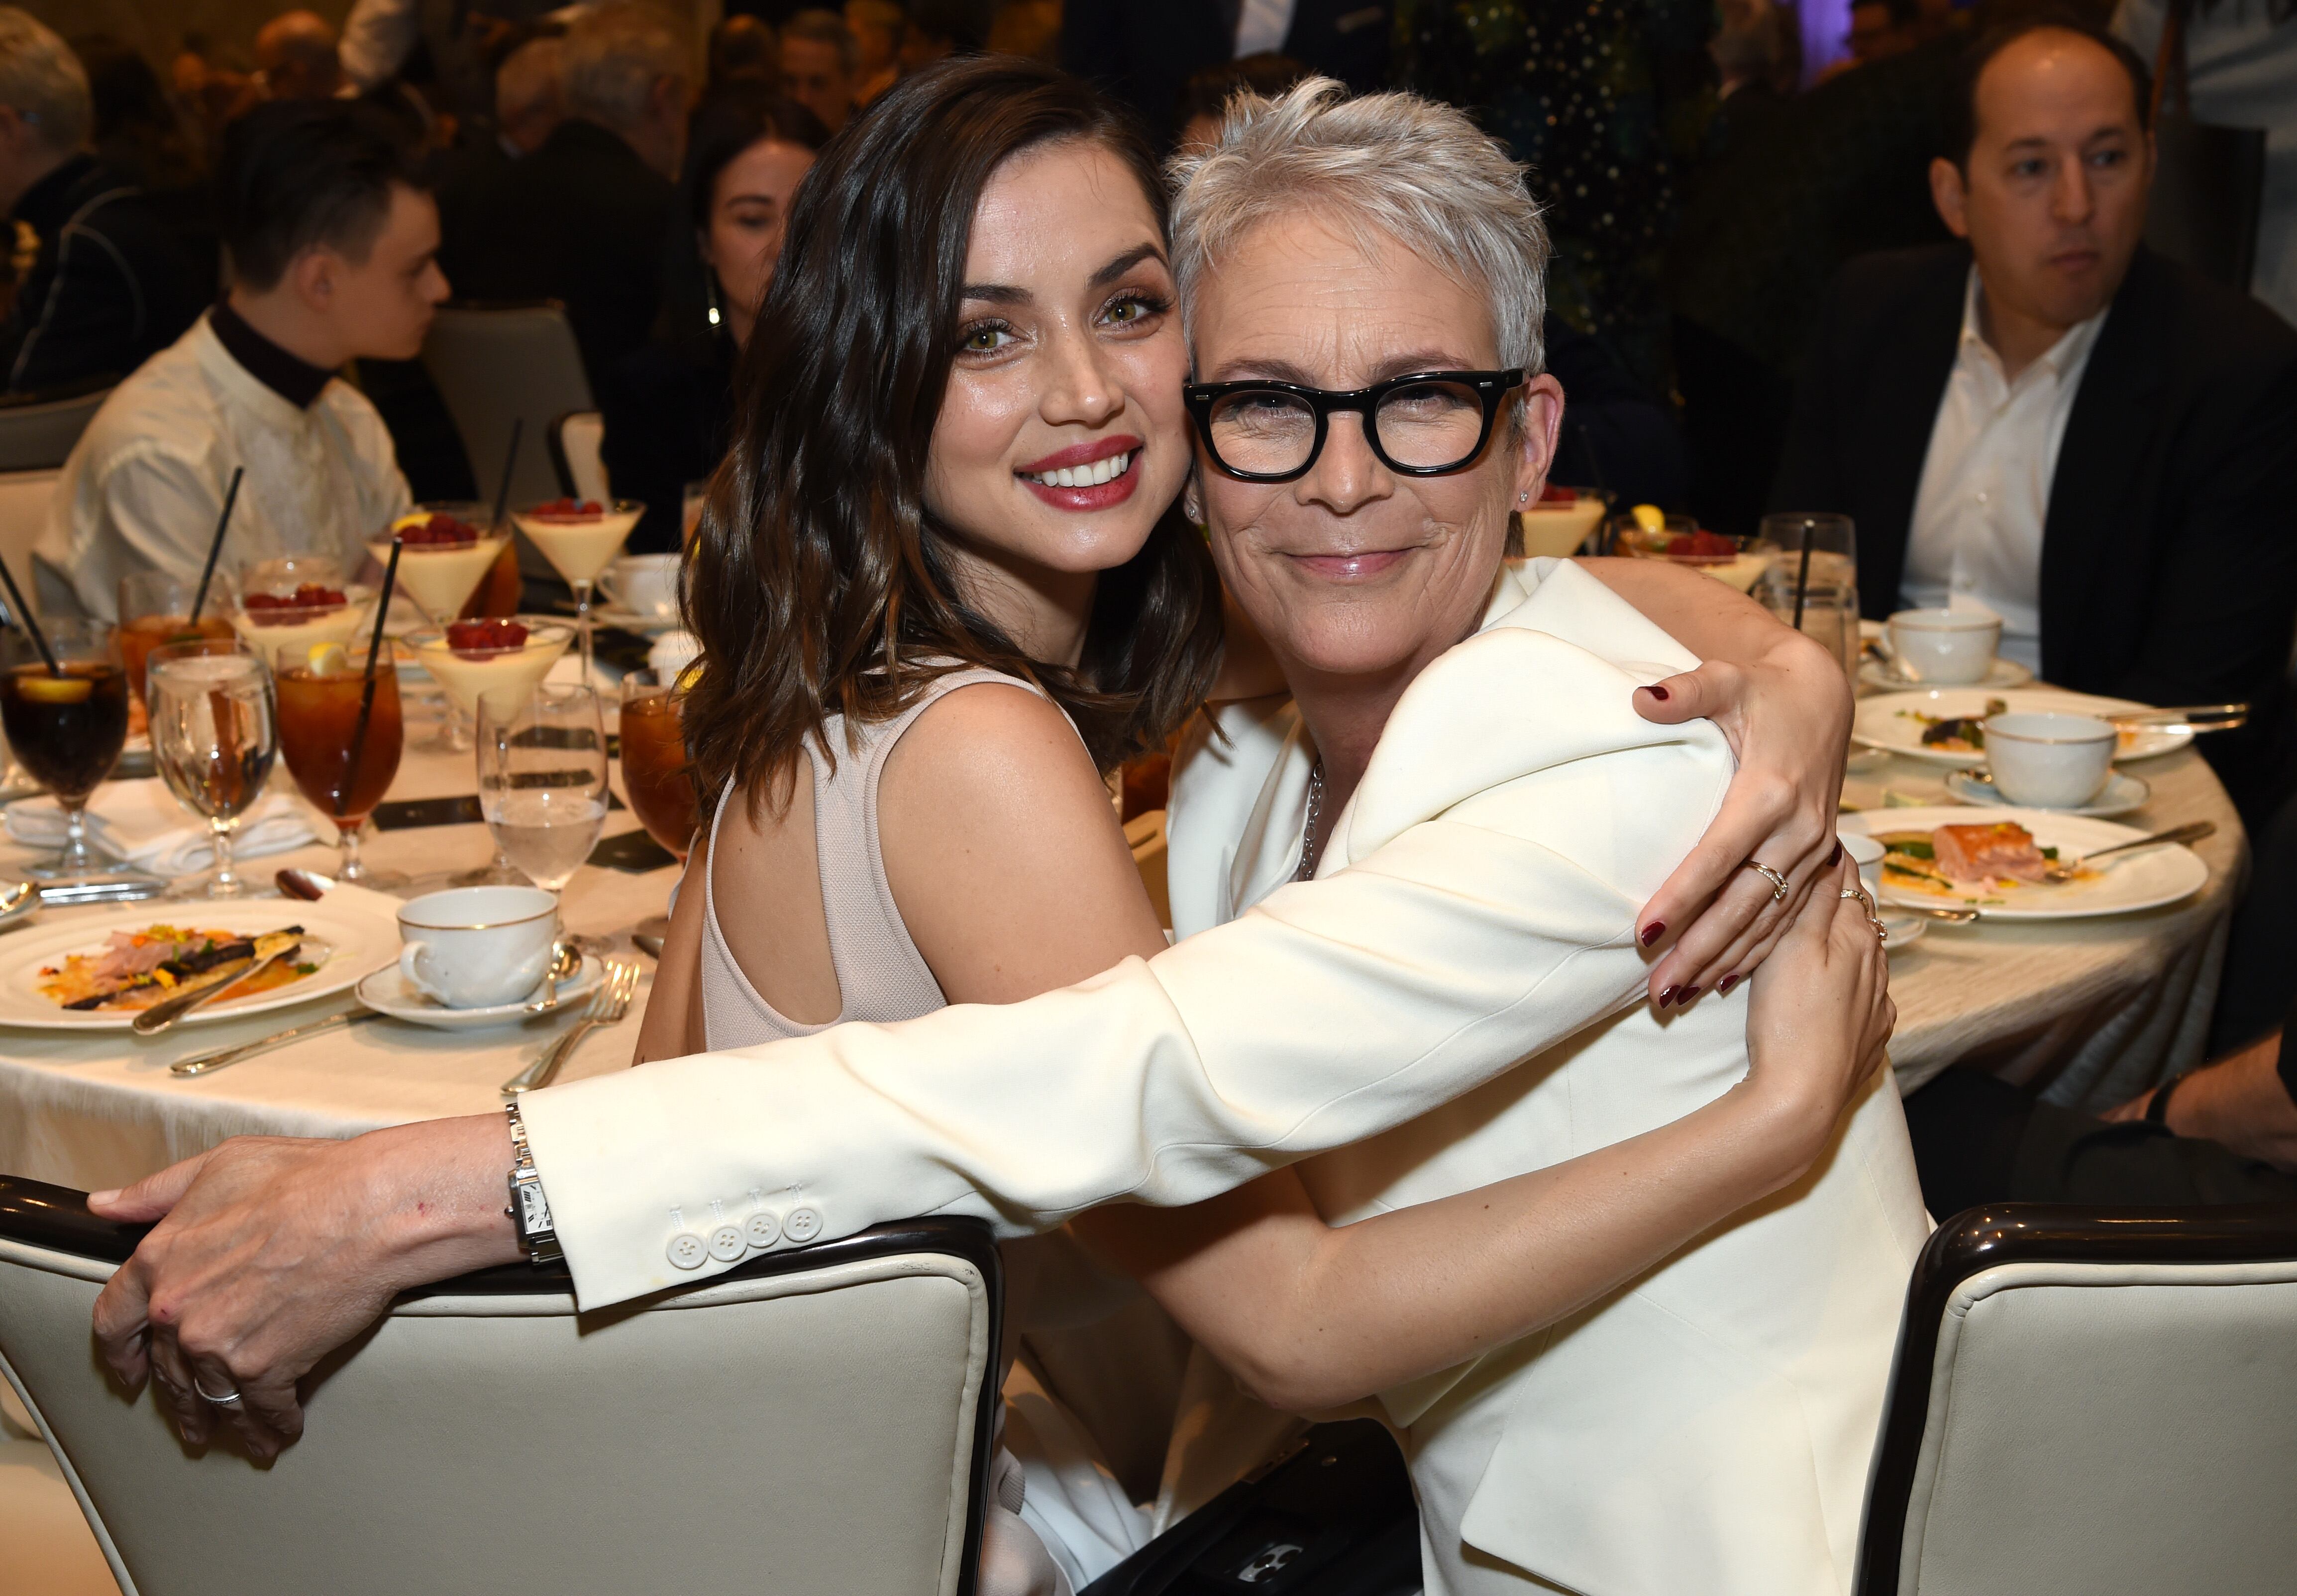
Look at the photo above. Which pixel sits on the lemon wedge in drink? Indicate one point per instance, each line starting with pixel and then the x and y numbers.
pixel 53 689
pixel 1649 517
pixel 328 659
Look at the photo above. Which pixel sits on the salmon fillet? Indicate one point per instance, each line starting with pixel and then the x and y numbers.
pixel 2002 852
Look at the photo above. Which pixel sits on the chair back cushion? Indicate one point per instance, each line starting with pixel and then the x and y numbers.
pixel 809 1429
pixel 2091 1426
pixel 495 364
pixel 39 436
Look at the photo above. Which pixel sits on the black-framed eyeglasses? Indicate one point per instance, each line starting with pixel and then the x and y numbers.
pixel 1426 423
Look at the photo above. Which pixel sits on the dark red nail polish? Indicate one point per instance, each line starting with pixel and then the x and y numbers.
pixel 1653 932
pixel 1835 857
pixel 1689 992
pixel 1657 692
pixel 1725 985
pixel 1667 996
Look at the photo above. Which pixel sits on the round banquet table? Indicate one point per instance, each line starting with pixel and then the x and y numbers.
pixel 94 1111
pixel 2088 1012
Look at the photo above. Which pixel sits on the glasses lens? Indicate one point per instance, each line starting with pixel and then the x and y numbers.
pixel 1431 425
pixel 1263 431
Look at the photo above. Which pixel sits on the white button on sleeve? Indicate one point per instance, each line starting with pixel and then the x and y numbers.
pixel 726 1244
pixel 687 1250
pixel 763 1229
pixel 802 1223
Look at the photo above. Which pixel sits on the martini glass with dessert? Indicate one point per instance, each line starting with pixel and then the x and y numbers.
pixel 445 551
pixel 581 539
pixel 496 661
pixel 289 606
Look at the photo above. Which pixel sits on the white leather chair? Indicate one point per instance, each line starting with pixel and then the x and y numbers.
pixel 24 500
pixel 497 364
pixel 578 444
pixel 809 1422
pixel 39 435
pixel 2092 1402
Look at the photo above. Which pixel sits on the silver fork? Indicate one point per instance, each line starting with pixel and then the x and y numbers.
pixel 607 1006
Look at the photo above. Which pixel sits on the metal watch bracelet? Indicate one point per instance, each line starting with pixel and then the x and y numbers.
pixel 529 1208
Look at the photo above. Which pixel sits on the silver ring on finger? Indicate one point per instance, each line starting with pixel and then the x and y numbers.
pixel 228 1399
pixel 1882 932
pixel 1778 882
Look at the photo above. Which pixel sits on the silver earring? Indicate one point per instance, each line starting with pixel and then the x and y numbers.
pixel 1523 499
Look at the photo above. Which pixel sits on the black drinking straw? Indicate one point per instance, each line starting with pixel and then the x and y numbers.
pixel 23 613
pixel 1802 577
pixel 366 693
pixel 214 547
pixel 510 459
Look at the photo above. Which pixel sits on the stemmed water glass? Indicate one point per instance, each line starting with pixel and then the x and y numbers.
pixel 542 778
pixel 66 726
pixel 215 736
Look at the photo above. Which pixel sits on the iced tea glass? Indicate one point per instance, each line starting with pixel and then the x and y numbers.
pixel 656 774
pixel 156 607
pixel 342 732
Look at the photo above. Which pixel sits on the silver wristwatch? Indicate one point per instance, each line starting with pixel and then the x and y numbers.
pixel 529 1209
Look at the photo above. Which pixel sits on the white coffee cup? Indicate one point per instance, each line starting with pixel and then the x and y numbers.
pixel 1868 853
pixel 643 584
pixel 2050 761
pixel 1946 646
pixel 474 947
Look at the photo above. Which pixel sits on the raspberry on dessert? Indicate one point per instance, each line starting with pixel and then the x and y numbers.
pixel 438 530
pixel 568 509
pixel 476 639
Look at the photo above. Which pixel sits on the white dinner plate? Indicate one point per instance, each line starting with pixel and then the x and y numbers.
pixel 2124 882
pixel 1888 721
pixel 1884 673
pixel 2121 794
pixel 389 993
pixel 355 943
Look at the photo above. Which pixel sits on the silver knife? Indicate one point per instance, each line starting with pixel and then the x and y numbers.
pixel 165 1013
pixel 207 1064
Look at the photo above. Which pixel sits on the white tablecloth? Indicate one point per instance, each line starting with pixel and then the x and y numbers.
pixel 92 1111
pixel 2090 1011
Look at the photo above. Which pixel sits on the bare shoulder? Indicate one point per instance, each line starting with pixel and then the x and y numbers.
pixel 1003 852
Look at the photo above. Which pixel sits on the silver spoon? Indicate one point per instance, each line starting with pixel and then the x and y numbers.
pixel 565 960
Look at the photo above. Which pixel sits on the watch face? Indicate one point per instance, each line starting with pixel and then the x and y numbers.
pixel 533 1210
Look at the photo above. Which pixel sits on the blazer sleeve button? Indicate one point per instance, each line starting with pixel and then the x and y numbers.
pixel 802 1223
pixel 763 1229
pixel 726 1244
pixel 687 1250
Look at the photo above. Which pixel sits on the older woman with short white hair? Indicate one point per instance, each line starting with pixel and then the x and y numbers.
pixel 1632 1274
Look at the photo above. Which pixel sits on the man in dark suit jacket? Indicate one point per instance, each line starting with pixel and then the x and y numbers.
pixel 585 219
pixel 2157 560
pixel 1144 51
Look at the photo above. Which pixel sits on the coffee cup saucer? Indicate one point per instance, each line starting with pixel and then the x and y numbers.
pixel 390 993
pixel 632 620
pixel 2121 794
pixel 1884 673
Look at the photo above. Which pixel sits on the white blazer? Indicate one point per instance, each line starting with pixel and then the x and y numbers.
pixel 1707 1428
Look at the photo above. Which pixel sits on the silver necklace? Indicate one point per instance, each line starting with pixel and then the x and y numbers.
pixel 1308 848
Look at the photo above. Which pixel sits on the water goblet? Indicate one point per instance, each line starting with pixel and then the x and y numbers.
pixel 542 778
pixel 215 736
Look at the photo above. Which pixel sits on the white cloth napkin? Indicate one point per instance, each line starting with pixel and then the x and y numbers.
pixel 141 822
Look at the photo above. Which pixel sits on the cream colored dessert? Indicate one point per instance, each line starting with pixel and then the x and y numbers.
pixel 269 632
pixel 500 674
pixel 440 577
pixel 580 546
pixel 1559 526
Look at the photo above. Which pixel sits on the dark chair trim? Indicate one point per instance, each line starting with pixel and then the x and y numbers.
pixel 58 1217
pixel 1978 1239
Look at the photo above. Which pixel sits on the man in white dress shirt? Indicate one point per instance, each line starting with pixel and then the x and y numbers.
pixel 2053 424
pixel 331 244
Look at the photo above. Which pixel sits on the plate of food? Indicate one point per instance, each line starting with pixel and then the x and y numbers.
pixel 97 972
pixel 1945 726
pixel 1998 861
